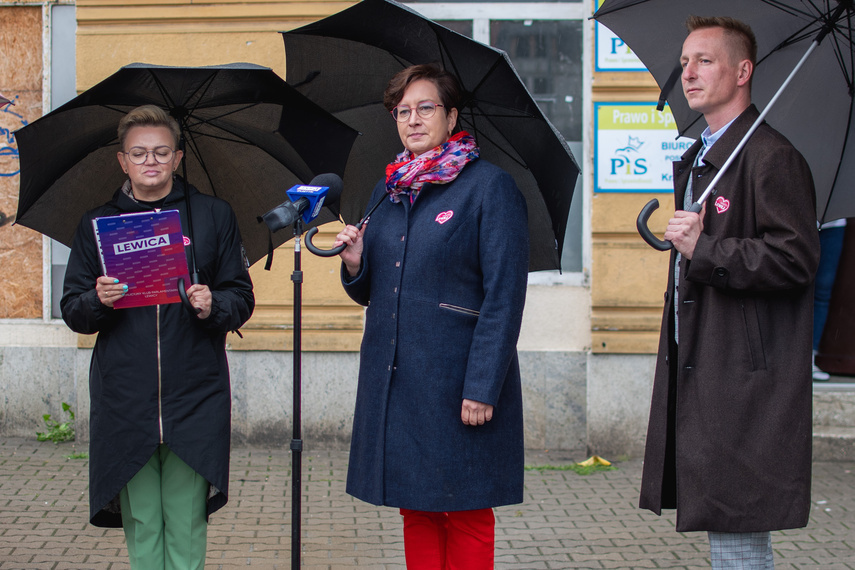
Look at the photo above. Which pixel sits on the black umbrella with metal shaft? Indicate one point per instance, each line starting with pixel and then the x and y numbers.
pixel 344 63
pixel 248 137
pixel 814 113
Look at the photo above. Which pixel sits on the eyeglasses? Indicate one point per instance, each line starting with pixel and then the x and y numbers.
pixel 138 155
pixel 425 109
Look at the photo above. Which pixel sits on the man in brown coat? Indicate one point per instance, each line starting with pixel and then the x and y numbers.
pixel 729 438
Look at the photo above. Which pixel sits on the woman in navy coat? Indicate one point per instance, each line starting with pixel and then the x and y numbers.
pixel 442 267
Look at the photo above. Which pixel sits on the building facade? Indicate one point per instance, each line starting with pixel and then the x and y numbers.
pixel 589 333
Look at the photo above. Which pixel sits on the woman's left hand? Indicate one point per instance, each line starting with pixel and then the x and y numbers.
pixel 201 298
pixel 476 413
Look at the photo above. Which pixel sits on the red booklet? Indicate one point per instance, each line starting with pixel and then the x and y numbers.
pixel 145 250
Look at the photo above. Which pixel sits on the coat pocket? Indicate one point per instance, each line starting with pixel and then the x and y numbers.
pixel 753 334
pixel 463 310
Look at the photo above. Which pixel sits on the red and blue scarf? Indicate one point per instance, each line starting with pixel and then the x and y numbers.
pixel 440 165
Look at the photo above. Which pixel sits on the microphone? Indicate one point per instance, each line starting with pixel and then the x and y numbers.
pixel 306 200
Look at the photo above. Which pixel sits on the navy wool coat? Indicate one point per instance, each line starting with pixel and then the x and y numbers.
pixel 444 280
pixel 158 373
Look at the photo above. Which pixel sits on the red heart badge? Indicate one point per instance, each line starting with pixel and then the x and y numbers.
pixel 443 217
pixel 722 204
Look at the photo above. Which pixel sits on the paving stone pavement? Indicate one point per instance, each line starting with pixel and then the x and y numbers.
pixel 567 520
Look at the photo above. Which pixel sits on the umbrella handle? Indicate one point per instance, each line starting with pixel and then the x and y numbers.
pixel 336 250
pixel 321 252
pixel 644 231
pixel 647 235
pixel 183 294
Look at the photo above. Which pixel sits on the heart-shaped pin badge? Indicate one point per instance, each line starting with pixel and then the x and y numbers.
pixel 443 217
pixel 722 204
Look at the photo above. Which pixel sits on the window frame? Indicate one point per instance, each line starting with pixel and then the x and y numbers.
pixel 481 14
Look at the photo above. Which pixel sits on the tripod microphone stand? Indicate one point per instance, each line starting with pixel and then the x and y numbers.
pixel 296 439
pixel 288 213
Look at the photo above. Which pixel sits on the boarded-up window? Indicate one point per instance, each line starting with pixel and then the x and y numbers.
pixel 20 81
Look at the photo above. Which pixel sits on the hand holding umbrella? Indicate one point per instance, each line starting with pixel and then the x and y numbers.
pixel 351 246
pixel 339 248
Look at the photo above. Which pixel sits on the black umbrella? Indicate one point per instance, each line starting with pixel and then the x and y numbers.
pixel 248 137
pixel 815 112
pixel 344 63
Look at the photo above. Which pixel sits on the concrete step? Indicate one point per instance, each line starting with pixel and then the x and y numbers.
pixel 833 443
pixel 834 404
pixel 834 420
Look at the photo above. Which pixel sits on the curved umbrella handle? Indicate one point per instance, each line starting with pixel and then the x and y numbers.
pixel 321 252
pixel 336 250
pixel 183 294
pixel 644 231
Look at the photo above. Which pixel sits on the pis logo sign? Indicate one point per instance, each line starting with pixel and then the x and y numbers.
pixel 626 160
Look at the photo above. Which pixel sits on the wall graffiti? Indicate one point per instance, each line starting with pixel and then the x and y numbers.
pixel 10 121
pixel 8 148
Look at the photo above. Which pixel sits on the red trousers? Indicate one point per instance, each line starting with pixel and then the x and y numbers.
pixel 458 540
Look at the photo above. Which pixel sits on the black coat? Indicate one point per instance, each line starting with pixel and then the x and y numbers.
pixel 729 438
pixel 137 346
pixel 445 283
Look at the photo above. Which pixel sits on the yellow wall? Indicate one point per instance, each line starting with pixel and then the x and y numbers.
pixel 628 277
pixel 112 34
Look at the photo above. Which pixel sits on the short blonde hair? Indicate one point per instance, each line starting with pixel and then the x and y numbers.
pixel 147 116
pixel 742 44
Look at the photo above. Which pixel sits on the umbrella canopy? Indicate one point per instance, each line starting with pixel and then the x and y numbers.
pixel 249 137
pixel 815 112
pixel 344 63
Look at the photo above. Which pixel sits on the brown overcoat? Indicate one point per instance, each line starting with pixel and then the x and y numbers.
pixel 729 437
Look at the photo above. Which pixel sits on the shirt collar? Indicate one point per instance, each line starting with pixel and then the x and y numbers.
pixel 709 138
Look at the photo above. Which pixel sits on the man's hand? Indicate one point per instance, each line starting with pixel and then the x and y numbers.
pixel 684 229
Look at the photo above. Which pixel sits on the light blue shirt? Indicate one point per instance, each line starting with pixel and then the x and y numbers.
pixel 709 138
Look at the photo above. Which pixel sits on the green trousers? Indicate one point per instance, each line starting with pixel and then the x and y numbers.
pixel 163 515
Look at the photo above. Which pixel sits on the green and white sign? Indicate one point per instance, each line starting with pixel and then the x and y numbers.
pixel 634 146
pixel 612 53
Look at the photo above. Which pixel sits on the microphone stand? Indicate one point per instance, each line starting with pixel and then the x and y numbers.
pixel 296 440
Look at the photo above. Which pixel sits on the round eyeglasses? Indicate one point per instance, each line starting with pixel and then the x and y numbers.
pixel 425 109
pixel 138 155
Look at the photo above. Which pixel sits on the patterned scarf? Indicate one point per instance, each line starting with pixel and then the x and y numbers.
pixel 440 165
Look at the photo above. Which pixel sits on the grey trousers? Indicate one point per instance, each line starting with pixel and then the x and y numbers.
pixel 741 550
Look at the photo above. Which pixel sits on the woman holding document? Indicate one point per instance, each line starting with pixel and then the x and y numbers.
pixel 159 379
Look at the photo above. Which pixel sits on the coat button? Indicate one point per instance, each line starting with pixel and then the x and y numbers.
pixel 393 341
pixel 403 238
pixel 397 264
pixel 393 315
pixel 395 290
